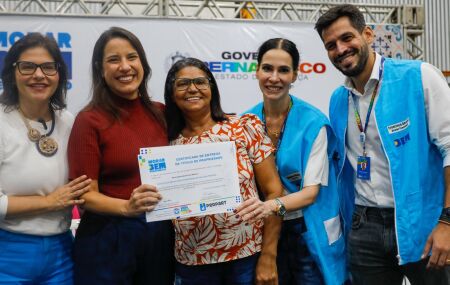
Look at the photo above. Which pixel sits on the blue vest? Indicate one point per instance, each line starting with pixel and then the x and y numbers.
pixel 415 163
pixel 323 237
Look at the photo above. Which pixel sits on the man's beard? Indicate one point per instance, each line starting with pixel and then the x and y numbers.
pixel 360 65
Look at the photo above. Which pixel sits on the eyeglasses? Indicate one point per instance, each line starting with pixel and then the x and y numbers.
pixel 201 83
pixel 29 68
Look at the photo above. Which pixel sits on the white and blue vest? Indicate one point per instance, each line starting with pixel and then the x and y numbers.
pixel 415 163
pixel 323 237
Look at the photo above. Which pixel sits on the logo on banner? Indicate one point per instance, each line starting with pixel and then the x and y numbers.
pixel 242 65
pixel 8 38
pixel 174 57
pixel 234 65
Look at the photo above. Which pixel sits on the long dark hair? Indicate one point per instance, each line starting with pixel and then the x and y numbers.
pixel 174 116
pixel 10 95
pixel 102 94
pixel 280 43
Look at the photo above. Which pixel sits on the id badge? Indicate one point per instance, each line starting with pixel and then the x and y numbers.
pixel 363 168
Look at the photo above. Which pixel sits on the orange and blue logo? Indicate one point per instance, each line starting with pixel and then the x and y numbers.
pixel 402 141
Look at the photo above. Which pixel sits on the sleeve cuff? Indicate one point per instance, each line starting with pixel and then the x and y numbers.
pixel 3 206
pixel 446 160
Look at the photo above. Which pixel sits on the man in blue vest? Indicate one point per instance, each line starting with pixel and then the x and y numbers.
pixel 392 120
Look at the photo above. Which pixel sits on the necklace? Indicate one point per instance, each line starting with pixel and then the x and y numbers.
pixel 276 134
pixel 46 145
pixel 279 133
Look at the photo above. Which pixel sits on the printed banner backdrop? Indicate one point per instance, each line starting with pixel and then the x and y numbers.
pixel 228 47
pixel 388 40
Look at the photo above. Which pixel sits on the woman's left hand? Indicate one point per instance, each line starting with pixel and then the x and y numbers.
pixel 253 210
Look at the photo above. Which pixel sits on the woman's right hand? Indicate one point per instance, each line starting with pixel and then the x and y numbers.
pixel 69 194
pixel 143 199
pixel 253 210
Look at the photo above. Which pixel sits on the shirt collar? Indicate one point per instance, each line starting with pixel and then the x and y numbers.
pixel 374 77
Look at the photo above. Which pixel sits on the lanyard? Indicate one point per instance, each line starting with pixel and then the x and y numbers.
pixel 282 127
pixel 362 135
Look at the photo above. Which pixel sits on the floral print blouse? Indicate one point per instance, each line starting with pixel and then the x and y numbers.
pixel 223 237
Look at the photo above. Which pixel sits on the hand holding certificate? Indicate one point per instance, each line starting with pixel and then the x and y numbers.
pixel 194 180
pixel 143 199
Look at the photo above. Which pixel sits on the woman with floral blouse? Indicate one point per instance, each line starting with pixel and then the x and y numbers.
pixel 221 248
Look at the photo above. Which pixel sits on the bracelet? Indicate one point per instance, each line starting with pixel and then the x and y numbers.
pixel 443 222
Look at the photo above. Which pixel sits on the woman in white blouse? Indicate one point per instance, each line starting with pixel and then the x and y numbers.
pixel 35 196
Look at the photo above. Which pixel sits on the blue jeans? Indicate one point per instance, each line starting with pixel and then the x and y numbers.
pixel 235 272
pixel 123 251
pixel 372 249
pixel 30 259
pixel 294 261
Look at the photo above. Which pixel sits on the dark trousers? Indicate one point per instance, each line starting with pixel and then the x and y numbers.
pixel 235 272
pixel 294 261
pixel 372 249
pixel 123 251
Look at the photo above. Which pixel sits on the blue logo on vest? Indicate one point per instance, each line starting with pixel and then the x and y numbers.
pixel 202 207
pixel 402 141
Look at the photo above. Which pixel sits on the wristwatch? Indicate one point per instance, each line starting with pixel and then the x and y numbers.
pixel 280 210
pixel 445 215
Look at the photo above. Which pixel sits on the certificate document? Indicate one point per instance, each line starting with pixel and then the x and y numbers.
pixel 193 179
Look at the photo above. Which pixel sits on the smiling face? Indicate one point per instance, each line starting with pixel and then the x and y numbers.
pixel 347 48
pixel 122 68
pixel 196 97
pixel 36 88
pixel 275 74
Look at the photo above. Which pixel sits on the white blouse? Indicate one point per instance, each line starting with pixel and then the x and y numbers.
pixel 24 171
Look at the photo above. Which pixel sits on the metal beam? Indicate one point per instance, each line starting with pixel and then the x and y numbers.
pixel 411 17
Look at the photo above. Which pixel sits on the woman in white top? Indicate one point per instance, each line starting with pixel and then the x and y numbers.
pixel 35 198
pixel 311 248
